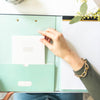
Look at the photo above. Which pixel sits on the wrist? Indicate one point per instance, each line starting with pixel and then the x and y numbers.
pixel 74 61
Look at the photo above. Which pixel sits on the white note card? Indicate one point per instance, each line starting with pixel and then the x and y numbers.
pixel 27 50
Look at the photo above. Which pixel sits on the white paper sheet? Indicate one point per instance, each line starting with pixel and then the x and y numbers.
pixel 83 37
pixel 27 50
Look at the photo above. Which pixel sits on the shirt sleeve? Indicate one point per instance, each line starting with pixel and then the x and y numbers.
pixel 91 81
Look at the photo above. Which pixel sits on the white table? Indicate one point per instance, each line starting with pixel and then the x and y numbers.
pixel 44 7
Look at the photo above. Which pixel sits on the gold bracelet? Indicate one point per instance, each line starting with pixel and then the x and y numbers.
pixel 85 70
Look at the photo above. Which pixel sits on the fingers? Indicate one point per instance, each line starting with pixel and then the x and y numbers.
pixel 48 39
pixel 46 43
pixel 48 34
pixel 53 31
pixel 51 34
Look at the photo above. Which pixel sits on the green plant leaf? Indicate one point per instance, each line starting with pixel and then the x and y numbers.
pixel 75 19
pixel 98 12
pixel 83 8
pixel 99 18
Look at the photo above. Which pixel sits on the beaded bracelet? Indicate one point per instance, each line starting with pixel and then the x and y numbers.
pixel 86 68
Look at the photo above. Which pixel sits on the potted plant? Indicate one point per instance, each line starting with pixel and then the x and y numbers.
pixel 83 12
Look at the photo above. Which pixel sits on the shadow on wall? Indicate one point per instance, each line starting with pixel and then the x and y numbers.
pixel 2 87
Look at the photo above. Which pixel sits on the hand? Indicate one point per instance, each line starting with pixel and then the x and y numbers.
pixel 60 48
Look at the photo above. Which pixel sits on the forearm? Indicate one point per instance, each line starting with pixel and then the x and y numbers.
pixel 74 61
pixel 91 81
